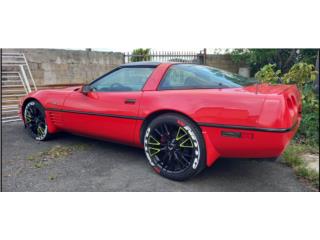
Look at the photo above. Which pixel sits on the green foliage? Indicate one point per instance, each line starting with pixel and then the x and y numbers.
pixel 284 59
pixel 304 75
pixel 140 54
pixel 308 132
pixel 301 74
pixel 267 74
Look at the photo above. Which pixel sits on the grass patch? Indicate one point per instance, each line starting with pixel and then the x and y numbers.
pixel 292 157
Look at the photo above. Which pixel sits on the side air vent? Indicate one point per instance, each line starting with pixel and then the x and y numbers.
pixel 55 118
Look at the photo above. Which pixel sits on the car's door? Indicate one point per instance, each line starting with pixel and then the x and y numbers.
pixel 110 109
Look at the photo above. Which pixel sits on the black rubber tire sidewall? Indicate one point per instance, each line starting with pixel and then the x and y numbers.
pixel 190 171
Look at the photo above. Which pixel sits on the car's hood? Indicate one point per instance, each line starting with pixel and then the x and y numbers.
pixel 68 89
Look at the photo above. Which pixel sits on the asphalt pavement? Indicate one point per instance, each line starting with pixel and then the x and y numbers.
pixel 74 163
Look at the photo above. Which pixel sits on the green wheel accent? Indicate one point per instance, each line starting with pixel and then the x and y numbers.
pixel 40 130
pixel 153 151
pixel 28 119
pixel 187 143
pixel 153 141
pixel 181 133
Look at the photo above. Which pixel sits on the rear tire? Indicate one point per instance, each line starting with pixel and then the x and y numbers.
pixel 34 116
pixel 175 147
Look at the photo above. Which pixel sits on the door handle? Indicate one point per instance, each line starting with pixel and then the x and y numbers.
pixel 130 101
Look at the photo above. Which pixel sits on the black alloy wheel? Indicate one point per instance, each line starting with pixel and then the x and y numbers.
pixel 34 117
pixel 174 147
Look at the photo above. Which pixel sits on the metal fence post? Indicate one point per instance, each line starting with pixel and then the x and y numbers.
pixel 124 58
pixel 204 56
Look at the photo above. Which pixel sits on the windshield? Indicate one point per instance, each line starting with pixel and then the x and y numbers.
pixel 189 76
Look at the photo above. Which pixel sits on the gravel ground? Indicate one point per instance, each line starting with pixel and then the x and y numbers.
pixel 73 163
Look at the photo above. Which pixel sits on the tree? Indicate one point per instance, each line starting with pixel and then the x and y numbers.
pixel 140 54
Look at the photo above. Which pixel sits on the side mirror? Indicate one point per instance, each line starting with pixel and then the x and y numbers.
pixel 85 89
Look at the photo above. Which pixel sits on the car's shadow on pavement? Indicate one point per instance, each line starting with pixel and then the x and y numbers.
pixel 96 165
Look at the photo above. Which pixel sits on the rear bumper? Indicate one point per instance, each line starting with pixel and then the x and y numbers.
pixel 247 142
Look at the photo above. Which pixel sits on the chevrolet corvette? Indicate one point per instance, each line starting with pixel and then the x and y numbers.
pixel 184 116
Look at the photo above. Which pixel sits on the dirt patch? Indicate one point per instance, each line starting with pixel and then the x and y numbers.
pixel 311 160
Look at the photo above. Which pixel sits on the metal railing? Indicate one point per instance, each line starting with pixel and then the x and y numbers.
pixel 167 56
pixel 17 81
pixel 12 61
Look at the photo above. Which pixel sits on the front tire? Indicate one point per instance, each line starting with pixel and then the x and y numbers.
pixel 175 147
pixel 34 116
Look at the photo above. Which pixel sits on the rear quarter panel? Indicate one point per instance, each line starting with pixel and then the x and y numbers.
pixel 221 106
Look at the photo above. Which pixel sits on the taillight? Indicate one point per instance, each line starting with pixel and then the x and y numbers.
pixel 290 107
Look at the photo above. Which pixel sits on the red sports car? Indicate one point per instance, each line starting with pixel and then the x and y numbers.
pixel 184 116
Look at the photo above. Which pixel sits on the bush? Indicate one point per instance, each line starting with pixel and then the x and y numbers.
pixel 308 132
pixel 302 74
pixel 267 74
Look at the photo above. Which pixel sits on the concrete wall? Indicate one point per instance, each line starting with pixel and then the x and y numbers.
pixel 57 66
pixel 223 62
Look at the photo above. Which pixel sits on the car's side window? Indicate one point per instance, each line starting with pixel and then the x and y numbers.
pixel 123 80
pixel 186 76
pixel 175 79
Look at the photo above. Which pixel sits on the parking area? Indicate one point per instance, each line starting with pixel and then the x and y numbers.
pixel 73 163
